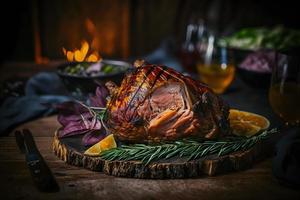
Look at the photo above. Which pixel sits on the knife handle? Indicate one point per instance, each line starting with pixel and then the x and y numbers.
pixel 20 141
pixel 40 172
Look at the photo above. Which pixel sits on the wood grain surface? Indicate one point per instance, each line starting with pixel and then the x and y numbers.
pixel 71 150
pixel 78 183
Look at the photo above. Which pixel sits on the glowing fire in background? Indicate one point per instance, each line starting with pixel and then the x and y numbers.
pixel 82 54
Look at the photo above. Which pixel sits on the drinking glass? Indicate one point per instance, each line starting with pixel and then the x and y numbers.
pixel 188 53
pixel 215 68
pixel 284 92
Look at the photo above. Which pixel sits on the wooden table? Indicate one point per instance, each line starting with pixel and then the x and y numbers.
pixel 77 183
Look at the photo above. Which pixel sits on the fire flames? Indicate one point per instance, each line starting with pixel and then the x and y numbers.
pixel 81 55
pixel 87 52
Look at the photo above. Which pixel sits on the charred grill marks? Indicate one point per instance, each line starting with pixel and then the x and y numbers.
pixel 156 103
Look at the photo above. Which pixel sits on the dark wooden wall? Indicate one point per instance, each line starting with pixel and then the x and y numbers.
pixel 63 23
pixel 127 28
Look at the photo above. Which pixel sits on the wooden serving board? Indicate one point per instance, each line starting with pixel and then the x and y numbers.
pixel 71 151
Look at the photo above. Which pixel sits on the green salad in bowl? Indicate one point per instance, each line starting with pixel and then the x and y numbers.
pixel 254 51
pixel 262 38
pixel 82 78
pixel 88 69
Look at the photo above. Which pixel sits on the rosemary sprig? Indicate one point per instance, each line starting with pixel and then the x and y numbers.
pixel 97 112
pixel 188 149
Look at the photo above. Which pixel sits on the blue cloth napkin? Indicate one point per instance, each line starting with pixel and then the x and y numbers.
pixel 45 83
pixel 42 92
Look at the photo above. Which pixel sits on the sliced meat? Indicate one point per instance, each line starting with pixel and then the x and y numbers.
pixel 155 103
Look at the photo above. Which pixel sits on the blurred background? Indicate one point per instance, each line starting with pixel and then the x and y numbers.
pixel 38 34
pixel 178 33
pixel 36 30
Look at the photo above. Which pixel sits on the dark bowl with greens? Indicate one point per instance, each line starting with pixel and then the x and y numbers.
pixel 81 79
pixel 254 51
pixel 257 38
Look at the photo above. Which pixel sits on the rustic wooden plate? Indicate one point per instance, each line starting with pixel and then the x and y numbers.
pixel 71 151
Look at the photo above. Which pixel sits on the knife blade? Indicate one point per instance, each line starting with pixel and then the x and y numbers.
pixel 39 170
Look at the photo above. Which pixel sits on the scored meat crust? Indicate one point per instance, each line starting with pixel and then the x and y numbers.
pixel 155 103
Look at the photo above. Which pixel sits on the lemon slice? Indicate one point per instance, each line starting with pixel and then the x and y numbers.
pixel 107 143
pixel 247 124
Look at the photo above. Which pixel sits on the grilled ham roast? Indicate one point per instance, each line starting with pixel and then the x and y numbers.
pixel 155 103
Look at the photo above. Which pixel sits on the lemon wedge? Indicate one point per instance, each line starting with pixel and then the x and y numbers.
pixel 247 124
pixel 107 143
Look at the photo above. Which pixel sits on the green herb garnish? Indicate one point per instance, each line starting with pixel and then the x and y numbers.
pixel 188 149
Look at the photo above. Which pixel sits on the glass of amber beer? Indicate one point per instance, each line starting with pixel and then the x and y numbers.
pixel 216 67
pixel 284 93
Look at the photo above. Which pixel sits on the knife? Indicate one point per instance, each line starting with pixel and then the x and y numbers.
pixel 40 172
pixel 20 141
